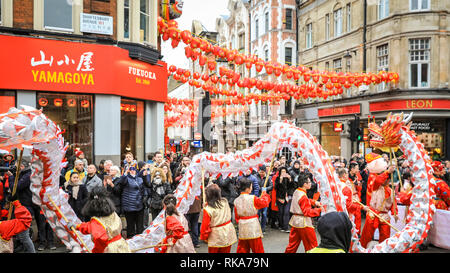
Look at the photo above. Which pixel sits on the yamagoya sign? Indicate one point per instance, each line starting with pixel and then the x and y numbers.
pixel 61 66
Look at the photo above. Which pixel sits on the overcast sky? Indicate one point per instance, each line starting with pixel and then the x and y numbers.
pixel 206 11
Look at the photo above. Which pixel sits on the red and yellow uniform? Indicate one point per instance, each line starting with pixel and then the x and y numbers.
pixel 353 208
pixel 302 228
pixel 106 234
pixel 217 228
pixel 381 202
pixel 246 208
pixel 442 190
pixel 15 226
pixel 177 235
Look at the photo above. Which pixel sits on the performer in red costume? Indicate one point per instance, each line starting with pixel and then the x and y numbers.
pixel 442 190
pixel 302 228
pixel 348 189
pixel 15 226
pixel 379 200
pixel 105 226
pixel 246 208
pixel 216 227
pixel 176 225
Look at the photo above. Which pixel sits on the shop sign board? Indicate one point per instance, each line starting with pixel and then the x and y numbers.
pixel 338 126
pixel 61 66
pixel 340 110
pixel 412 104
pixel 94 23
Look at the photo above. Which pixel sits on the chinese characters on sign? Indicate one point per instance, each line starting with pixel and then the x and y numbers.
pixel 94 23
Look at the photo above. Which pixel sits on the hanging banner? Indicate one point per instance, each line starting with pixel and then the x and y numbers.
pixel 51 65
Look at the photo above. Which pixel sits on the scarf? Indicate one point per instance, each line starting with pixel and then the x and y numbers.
pixel 75 188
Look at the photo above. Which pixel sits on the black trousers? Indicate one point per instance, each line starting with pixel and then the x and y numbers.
pixel 135 222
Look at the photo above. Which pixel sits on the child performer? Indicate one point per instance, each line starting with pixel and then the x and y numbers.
pixel 176 227
pixel 246 208
pixel 216 227
pixel 105 225
pixel 301 223
pixel 10 228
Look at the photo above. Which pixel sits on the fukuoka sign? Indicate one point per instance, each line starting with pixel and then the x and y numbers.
pixel 49 65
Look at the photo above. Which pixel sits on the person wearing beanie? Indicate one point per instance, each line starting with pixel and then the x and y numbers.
pixel 335 230
pixel 105 226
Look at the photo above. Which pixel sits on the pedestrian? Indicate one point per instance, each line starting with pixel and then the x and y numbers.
pixel 217 229
pixel 335 230
pixel 105 226
pixel 192 217
pixel 175 226
pixel 107 164
pixel 281 187
pixel 352 198
pixel 24 195
pixel 113 186
pixel 91 180
pixel 248 175
pixel 169 177
pixel 228 190
pixel 9 228
pixel 81 156
pixel 246 208
pixel 129 162
pixel 78 194
pixel 302 228
pixel 158 188
pixel 133 195
pixel 78 168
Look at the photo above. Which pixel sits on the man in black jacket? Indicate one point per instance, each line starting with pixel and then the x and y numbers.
pixel 261 177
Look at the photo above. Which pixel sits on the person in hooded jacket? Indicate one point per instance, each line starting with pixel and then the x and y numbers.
pixel 335 230
pixel 158 188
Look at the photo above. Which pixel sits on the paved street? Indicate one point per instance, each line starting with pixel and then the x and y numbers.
pixel 274 241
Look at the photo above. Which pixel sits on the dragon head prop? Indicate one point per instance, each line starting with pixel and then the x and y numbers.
pixel 171 9
pixel 387 134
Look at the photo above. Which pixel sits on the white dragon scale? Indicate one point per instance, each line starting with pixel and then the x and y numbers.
pixel 30 127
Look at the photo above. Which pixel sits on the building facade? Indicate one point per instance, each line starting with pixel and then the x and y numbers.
pixel 92 66
pixel 408 37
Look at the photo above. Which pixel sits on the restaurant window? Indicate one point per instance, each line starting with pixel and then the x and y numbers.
pixel 58 15
pixel 74 115
pixel 7 100
pixel 144 15
pixel 132 128
pixel 431 133
pixel 329 139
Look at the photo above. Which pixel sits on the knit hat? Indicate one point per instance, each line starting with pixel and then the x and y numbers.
pixel 371 157
pixel 78 153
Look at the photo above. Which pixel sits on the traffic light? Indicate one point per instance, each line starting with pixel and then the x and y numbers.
pixel 359 134
pixel 352 129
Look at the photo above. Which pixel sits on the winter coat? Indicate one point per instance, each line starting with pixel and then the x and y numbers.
pixel 93 182
pixel 77 204
pixel 155 199
pixel 23 187
pixel 133 193
pixel 228 189
pixel 251 177
pixel 115 193
pixel 261 181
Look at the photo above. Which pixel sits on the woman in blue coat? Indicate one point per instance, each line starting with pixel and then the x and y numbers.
pixel 133 196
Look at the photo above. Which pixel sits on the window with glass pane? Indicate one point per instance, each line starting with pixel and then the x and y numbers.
pixel 132 128
pixel 337 22
pixel 382 62
pixel 73 113
pixel 419 58
pixel 327 26
pixel 57 14
pixel 144 12
pixel 126 19
pixel 266 55
pixel 383 9
pixel 337 65
pixel 0 12
pixel 266 18
pixel 417 5
pixel 241 41
pixel 288 18
pixel 288 55
pixel 309 35
pixel 257 28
